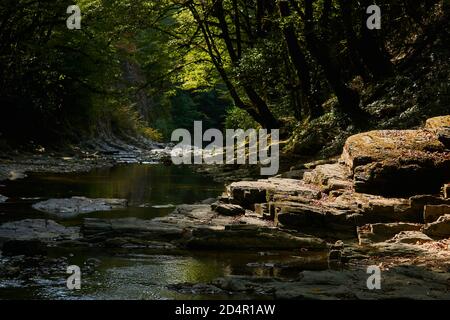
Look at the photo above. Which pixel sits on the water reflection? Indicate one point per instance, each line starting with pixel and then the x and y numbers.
pixel 125 273
pixel 150 189
pixel 140 184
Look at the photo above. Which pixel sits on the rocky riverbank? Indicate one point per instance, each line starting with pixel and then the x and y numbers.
pixel 384 202
pixel 93 154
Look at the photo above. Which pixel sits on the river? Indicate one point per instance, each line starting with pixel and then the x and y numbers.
pixel 152 191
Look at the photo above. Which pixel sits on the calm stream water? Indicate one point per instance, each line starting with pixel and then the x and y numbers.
pixel 130 273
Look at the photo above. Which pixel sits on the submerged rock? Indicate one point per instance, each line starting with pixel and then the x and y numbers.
pixel 397 283
pixel 66 208
pixel 98 230
pixel 3 198
pixel 36 229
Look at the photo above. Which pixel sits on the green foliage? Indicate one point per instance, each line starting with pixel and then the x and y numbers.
pixel 239 119
pixel 152 134
pixel 149 67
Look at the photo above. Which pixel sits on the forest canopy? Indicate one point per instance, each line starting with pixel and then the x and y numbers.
pixel 148 67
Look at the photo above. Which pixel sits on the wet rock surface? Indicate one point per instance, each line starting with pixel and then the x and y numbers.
pixel 103 153
pixel 199 227
pixel 65 208
pixel 36 229
pixel 332 285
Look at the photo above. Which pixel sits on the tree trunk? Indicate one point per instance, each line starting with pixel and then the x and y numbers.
pixel 352 40
pixel 300 63
pixel 267 119
pixel 348 98
pixel 372 50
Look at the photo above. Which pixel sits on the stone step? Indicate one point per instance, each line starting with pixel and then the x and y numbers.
pixel 262 211
pixel 439 228
pixel 314 219
pixel 247 193
pixel 432 212
pixel 379 232
pixel 329 177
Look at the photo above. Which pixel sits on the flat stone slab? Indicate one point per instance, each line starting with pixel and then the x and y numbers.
pixel 37 229
pixel 314 219
pixel 247 193
pixel 413 237
pixel 228 209
pixel 244 237
pixel 66 208
pixel 379 232
pixel 102 229
pixel 329 176
pixel 377 209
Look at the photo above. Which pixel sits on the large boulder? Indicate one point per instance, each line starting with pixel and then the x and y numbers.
pixel 397 162
pixel 67 208
pixel 441 127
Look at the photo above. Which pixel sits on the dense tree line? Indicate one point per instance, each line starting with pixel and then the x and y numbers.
pixel 300 52
pixel 165 63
